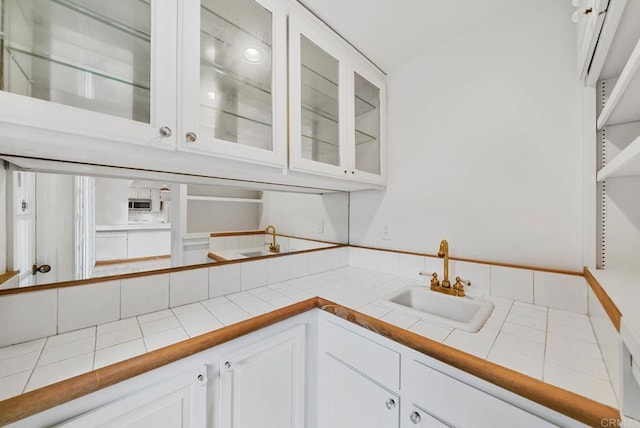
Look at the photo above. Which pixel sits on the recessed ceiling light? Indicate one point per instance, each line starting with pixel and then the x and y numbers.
pixel 252 55
pixel 211 95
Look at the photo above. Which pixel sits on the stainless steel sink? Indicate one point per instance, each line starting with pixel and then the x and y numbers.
pixel 464 313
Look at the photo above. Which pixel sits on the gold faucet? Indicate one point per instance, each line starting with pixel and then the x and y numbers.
pixel 444 252
pixel 445 286
pixel 274 248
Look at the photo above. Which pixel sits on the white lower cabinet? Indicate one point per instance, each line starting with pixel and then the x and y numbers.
pixel 447 401
pixel 179 402
pixel 420 418
pixel 355 401
pixel 263 384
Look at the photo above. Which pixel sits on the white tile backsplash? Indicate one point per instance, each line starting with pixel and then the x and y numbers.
pixel 86 305
pixel 369 259
pixel 224 279
pixel 317 262
pixel 512 283
pixel 566 292
pixel 31 315
pixel 246 241
pixel 299 265
pixel 278 269
pixel 410 266
pixel 188 286
pixel 479 274
pixel 144 294
pixel 253 274
pixel 389 262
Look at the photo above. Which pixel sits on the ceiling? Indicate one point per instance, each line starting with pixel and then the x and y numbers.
pixel 391 32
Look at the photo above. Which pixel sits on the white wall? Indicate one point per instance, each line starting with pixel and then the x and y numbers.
pixel 299 215
pixel 484 146
pixel 112 199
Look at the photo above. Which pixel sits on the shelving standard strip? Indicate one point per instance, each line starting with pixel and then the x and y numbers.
pixel 626 77
pixel 626 163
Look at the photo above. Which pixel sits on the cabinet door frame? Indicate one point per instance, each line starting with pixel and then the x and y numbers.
pixel 189 85
pixel 293 338
pixel 42 116
pixel 302 25
pixel 377 78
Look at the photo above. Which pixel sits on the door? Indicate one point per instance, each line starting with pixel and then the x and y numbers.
pixel 233 79
pixel 367 109
pixel 262 385
pixel 91 68
pixel 318 114
pixel 179 402
pixel 353 401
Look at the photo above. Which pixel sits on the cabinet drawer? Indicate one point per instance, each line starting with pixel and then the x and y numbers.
pixel 376 361
pixel 457 404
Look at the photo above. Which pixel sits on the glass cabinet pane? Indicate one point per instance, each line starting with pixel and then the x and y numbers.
pixel 91 54
pixel 236 71
pixel 367 119
pixel 320 109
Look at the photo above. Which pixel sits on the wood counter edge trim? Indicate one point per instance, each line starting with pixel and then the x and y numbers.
pixel 8 275
pixel 568 403
pixel 483 262
pixel 262 232
pixel 211 264
pixel 216 257
pixel 39 400
pixel 609 306
pixel 131 260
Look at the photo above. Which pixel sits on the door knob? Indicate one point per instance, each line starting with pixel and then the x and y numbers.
pixel 415 417
pixel 191 137
pixel 42 269
pixel 390 403
pixel 165 131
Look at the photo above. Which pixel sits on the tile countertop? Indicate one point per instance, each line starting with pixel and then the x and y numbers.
pixel 554 346
pixel 139 225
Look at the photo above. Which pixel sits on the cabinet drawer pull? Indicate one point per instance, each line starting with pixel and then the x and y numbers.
pixel 227 365
pixel 165 131
pixel 415 417
pixel 390 403
pixel 191 137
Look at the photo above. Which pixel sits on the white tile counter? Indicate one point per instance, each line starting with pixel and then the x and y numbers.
pixel 555 346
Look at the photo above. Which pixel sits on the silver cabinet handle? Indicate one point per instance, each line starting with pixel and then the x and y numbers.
pixel 227 365
pixel 165 131
pixel 191 137
pixel 415 417
pixel 390 403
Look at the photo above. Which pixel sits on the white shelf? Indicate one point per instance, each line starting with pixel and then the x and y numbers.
pixel 623 105
pixel 223 199
pixel 626 163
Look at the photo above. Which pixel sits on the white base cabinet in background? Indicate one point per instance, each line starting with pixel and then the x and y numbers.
pixel 262 385
pixel 180 402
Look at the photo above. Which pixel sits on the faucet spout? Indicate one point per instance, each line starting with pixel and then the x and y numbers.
pixel 443 252
pixel 274 248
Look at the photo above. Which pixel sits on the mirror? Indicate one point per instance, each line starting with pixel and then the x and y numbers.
pixel 61 227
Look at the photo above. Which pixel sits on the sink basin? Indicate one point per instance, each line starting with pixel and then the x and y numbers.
pixel 257 253
pixel 464 313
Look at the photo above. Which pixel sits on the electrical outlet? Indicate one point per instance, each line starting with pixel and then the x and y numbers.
pixel 386 232
pixel 321 227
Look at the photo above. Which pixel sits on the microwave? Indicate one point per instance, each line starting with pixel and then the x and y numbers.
pixel 139 204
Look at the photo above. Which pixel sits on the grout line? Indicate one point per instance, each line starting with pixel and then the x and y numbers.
pixel 144 343
pixel 33 369
pixel 546 339
pixel 95 345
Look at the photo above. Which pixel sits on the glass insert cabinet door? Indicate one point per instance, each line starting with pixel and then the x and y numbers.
pixel 234 80
pixel 91 67
pixel 318 108
pixel 368 111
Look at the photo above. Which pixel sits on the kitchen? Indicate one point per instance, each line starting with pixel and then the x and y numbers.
pixel 378 131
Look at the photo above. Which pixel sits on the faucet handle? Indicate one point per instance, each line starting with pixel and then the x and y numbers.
pixel 434 280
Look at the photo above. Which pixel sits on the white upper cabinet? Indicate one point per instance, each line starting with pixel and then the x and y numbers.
pixel 233 80
pixel 336 107
pixel 90 69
